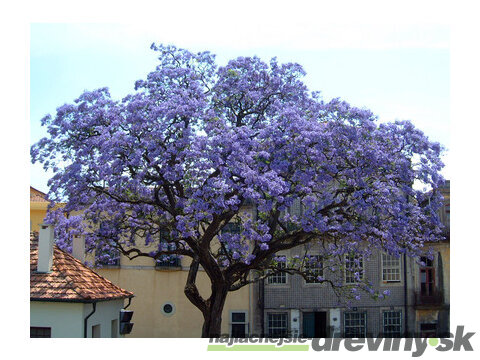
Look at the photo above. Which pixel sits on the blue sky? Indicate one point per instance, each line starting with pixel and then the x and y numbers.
pixel 399 72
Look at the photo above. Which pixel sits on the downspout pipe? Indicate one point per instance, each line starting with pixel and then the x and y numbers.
pixel 129 302
pixel 405 286
pixel 85 328
pixel 262 306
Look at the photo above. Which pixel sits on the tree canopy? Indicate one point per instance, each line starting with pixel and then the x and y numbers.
pixel 174 164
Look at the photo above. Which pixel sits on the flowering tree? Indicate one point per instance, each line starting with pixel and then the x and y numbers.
pixel 172 166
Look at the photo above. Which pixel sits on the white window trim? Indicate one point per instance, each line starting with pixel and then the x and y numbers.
pixel 287 278
pixel 382 267
pixel 246 323
pixel 385 310
pixel 308 284
pixel 267 327
pixel 355 312
pixel 362 269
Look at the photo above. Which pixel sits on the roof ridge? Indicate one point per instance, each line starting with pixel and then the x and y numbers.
pixel 37 190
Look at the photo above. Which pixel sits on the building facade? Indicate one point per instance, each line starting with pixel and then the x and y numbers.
pixel 68 299
pixel 292 305
pixel 418 302
pixel 289 305
pixel 161 307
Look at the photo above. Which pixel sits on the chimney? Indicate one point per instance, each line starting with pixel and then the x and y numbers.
pixel 78 248
pixel 45 248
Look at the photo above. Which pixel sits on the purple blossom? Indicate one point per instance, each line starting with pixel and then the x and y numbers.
pixel 237 162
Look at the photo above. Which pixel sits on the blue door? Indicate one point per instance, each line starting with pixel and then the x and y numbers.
pixel 309 324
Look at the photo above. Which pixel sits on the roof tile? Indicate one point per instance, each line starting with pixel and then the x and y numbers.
pixel 37 195
pixel 69 280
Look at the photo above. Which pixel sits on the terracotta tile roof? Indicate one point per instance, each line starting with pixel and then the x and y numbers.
pixel 37 195
pixel 69 280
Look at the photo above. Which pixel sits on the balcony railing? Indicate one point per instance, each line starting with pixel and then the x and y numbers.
pixel 109 263
pixel 432 299
pixel 173 262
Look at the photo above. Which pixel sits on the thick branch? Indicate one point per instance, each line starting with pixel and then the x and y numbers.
pixel 191 290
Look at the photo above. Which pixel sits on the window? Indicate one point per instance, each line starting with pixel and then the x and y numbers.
pixel 171 261
pixel 167 261
pixel 107 256
pixel 445 214
pixel 428 262
pixel 96 331
pixel 106 253
pixel 390 269
pixel 277 325
pixel 40 332
pixel 280 277
pixel 238 324
pixel 355 324
pixel 231 228
pixel 114 328
pixel 427 278
pixel 294 210
pixel 353 269
pixel 392 324
pixel 313 269
pixel 428 330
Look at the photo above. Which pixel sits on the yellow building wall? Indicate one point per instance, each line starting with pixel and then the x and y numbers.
pixel 36 218
pixel 38 212
pixel 153 288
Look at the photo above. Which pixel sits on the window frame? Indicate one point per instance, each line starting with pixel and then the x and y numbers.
pixel 245 322
pixel 112 252
pixel 296 209
pixel 430 278
pixel 269 329
pixel 46 332
pixel 282 274
pixel 390 267
pixel 428 330
pixel 315 282
pixel 364 327
pixel 174 261
pixel 232 227
pixel 346 277
pixel 400 319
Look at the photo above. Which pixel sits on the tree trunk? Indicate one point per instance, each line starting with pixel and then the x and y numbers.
pixel 212 316
pixel 212 307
